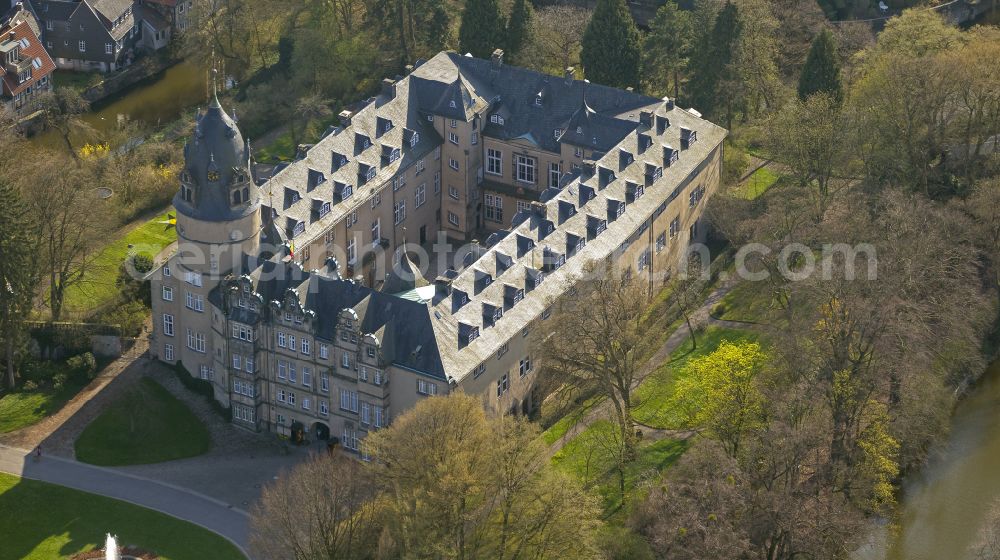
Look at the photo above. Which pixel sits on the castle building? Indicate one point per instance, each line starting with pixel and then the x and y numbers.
pixel 277 295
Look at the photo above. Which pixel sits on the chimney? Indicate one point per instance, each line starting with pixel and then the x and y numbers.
pixel 539 208
pixel 668 103
pixel 345 117
pixel 409 69
pixel 570 75
pixel 496 60
pixel 388 88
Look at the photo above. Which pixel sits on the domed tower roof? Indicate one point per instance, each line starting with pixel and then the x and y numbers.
pixel 215 182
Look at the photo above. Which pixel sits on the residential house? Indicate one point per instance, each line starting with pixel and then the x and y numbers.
pixel 88 35
pixel 161 20
pixel 27 67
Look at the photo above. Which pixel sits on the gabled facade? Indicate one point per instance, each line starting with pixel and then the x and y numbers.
pixel 299 330
pixel 27 67
pixel 88 35
pixel 161 20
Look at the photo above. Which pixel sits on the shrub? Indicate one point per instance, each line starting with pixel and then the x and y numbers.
pixel 203 388
pixel 59 380
pixel 83 366
pixel 130 316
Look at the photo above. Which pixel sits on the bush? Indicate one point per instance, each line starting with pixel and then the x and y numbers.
pixel 83 366
pixel 59 380
pixel 203 388
pixel 131 316
pixel 619 543
pixel 39 372
pixel 30 386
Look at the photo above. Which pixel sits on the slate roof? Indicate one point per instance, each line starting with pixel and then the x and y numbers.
pixel 111 9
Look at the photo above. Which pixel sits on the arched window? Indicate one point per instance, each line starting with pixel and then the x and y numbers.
pixel 246 194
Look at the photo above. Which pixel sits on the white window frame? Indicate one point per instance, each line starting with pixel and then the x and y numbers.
pixel 494 162
pixel 525 169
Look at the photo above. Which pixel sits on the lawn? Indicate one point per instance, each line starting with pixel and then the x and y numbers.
pixel 41 521
pixel 556 431
pixel 758 183
pixel 97 287
pixel 655 391
pixel 75 80
pixel 24 408
pixel 144 425
pixel 585 458
pixel 750 302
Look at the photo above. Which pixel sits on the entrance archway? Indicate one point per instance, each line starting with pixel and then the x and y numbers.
pixel 321 431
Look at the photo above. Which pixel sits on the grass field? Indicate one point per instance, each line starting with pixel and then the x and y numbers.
pixel 758 183
pixel 750 302
pixel 144 425
pixel 24 408
pixel 40 521
pixel 585 458
pixel 75 80
pixel 97 288
pixel 654 393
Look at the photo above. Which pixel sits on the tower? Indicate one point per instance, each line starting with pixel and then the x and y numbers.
pixel 218 205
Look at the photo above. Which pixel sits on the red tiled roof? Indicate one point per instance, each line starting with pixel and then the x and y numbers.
pixel 34 51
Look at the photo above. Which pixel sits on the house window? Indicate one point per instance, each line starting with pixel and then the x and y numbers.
pixel 305 346
pixel 494 207
pixel 351 251
pixel 644 260
pixel 453 138
pixel 420 167
pixel 453 163
pixel 661 242
pixel 376 231
pixel 378 376
pixel 496 119
pixel 363 374
pixel 168 293
pixel 380 416
pixel 293 376
pixel 281 395
pixel 196 341
pixel 503 349
pixel 193 278
pixel 675 227
pixel 399 211
pixel 475 138
pixel 291 398
pixel 282 340
pixel 554 174
pixel 282 369
pixel 324 351
pixel 578 152
pixel 453 219
pixel 426 387
pixel 366 413
pixel 306 403
pixel 420 195
pixel 437 182
pixel 83 46
pixel 168 352
pixel 453 192
pixel 324 408
pixel 453 122
pixel 502 385
pixel 48 24
pixel 494 161
pixel 248 362
pixel 350 439
pixel 109 48
pixel 345 360
pixel 414 139
pixel 524 167
pixel 237 363
pixel 168 324
pixel 194 301
pixel 480 369
pixel 348 400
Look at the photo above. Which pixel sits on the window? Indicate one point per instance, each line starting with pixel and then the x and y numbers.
pixel 363 374
pixel 547 313
pixel 578 152
pixel 350 439
pixel 168 324
pixel 414 139
pixel 661 242
pixel 502 385
pixel 675 227
pixel 494 162
pixel 306 403
pixel 291 398
pixel 380 417
pixel 193 278
pixel 644 260
pixel 109 48
pixel 351 219
pixel 248 362
pixel 351 251
pixel 305 346
pixel 237 363
pixel 376 231
pixel 524 167
pixel 496 119
pixel 494 207
pixel 242 332
pixel 437 182
pixel 430 118
pixel 366 413
pixel 453 138
pixel 205 372
pixel 696 196
pixel 345 360
pixel 426 387
pixel 376 200
pixel 168 293
pixel 282 369
pixel 194 301
pixel 453 122
pixel 293 376
pixel 503 349
pixel 420 195
pixel 453 219
pixel 196 341
pixel 168 352
pixel 453 192
pixel 453 163
pixel 475 138
pixel 48 24
pixel 324 408
pixel 282 340
pixel 348 400
pixel 371 352
pixel 420 167
pixel 281 395
pixel 399 211
pixel 480 369
pixel 378 376
pixel 554 174
pixel 83 46
pixel 324 351
pixel 166 271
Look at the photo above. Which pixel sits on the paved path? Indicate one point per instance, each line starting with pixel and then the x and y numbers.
pixel 699 318
pixel 214 515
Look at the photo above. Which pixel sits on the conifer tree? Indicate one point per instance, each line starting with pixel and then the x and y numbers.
pixel 610 53
pixel 517 27
pixel 482 28
pixel 16 273
pixel 712 63
pixel 667 47
pixel 821 72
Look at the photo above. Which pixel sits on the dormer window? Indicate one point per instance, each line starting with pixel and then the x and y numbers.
pixel 452 104
pixel 538 100
pixel 324 209
pixel 414 139
pixel 579 130
pixel 386 126
pixel 299 229
pixel 555 133
pixel 371 173
pixel 496 119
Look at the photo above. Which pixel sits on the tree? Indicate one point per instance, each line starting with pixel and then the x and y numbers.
pixel 593 344
pixel 610 44
pixel 323 509
pixel 755 85
pixel 305 111
pixel 61 111
pixel 457 484
pixel 718 394
pixel 518 27
pixel 555 38
pixel 712 74
pixel 821 73
pixel 17 273
pixel 666 48
pixel 482 29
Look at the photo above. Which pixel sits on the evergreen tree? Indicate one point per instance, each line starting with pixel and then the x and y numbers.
pixel 666 48
pixel 517 27
pixel 482 28
pixel 821 73
pixel 712 65
pixel 610 53
pixel 17 268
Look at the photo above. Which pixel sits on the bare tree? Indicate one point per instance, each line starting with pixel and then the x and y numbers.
pixel 321 510
pixel 61 111
pixel 555 38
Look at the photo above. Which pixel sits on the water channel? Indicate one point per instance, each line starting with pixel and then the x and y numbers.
pixel 944 505
pixel 152 102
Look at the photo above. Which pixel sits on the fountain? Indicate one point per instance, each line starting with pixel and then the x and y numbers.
pixel 111 548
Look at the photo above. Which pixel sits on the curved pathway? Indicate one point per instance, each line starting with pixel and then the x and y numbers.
pixel 212 514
